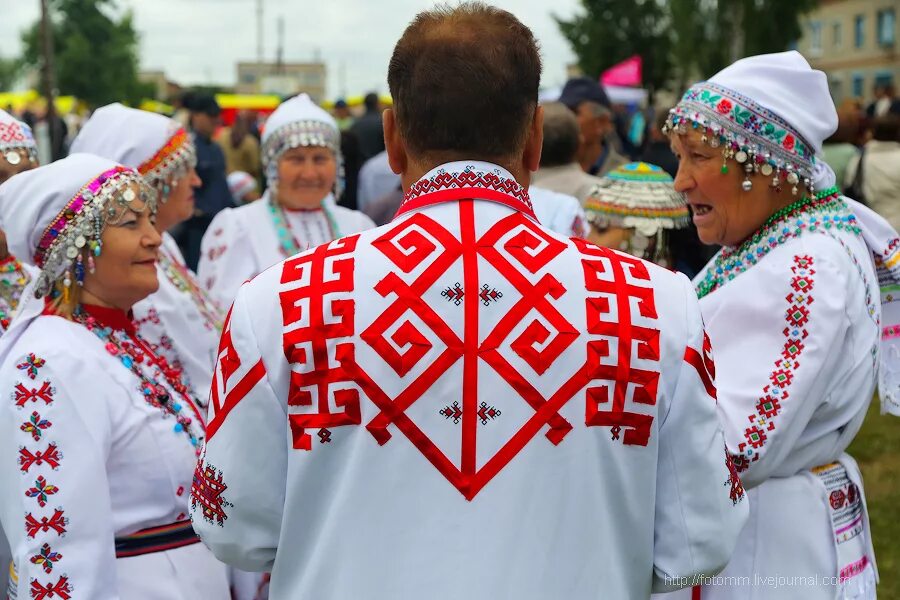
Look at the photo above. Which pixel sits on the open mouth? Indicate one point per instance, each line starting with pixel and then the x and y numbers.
pixel 701 209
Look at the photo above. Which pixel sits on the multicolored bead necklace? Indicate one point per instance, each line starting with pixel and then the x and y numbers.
pixel 286 238
pixel 13 280
pixel 133 352
pixel 182 279
pixel 824 212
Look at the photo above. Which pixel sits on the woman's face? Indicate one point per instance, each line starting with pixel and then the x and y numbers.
pixel 305 176
pixel 723 213
pixel 125 271
pixel 179 206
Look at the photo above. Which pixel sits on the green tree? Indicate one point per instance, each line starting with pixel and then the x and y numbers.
pixel 95 54
pixel 9 72
pixel 609 31
pixel 681 40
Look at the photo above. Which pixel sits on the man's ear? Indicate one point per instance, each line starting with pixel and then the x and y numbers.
pixel 393 142
pixel 531 157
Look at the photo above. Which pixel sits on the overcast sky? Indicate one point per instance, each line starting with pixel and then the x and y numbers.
pixel 199 41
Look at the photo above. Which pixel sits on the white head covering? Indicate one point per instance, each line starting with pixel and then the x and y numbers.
pixel 240 184
pixel 299 122
pixel 157 146
pixel 770 112
pixel 15 135
pixel 54 215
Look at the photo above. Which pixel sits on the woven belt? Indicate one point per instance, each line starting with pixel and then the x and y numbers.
pixel 156 539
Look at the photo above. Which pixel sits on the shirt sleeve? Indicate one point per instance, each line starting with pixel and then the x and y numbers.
pixel 237 498
pixel 55 492
pixel 226 258
pixel 700 504
pixel 771 372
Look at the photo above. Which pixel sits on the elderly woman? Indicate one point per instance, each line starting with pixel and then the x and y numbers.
pixel 633 209
pixel 302 158
pixel 180 320
pixel 791 307
pixel 99 436
pixel 18 153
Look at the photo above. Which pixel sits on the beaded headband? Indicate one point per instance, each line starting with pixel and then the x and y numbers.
pixel 77 228
pixel 172 162
pixel 16 136
pixel 748 133
pixel 305 133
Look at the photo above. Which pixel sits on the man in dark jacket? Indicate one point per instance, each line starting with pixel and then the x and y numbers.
pixel 367 129
pixel 213 195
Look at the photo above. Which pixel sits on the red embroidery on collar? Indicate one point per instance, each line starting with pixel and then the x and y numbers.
pixel 447 186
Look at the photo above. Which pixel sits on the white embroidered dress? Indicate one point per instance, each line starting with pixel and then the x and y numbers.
pixel 242 242
pixel 795 338
pixel 87 461
pixel 181 320
pixel 463 404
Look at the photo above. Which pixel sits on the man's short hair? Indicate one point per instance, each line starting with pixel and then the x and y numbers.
pixel 886 128
pixel 561 135
pixel 371 101
pixel 465 82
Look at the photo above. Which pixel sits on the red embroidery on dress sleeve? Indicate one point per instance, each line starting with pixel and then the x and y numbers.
pixel 777 391
pixel 51 456
pixel 206 491
pixel 57 523
pixel 23 395
pixel 61 589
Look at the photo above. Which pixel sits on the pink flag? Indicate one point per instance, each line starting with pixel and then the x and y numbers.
pixel 626 73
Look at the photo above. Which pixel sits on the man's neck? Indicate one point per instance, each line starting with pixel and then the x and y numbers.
pixel 417 170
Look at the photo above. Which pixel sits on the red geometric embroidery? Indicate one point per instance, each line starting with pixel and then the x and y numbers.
pixel 35 425
pixel 454 294
pixel 489 294
pixel 61 589
pixel 418 345
pixel 41 491
pixel 608 407
pixel 734 480
pixel 51 456
pixel 24 395
pixel 776 393
pixel 468 179
pixel 207 490
pixel 228 363
pixel 57 523
pixel 487 413
pixel 315 286
pixel 452 412
pixel 46 558
pixel 31 364
pixel 12 132
pixel 837 499
pixel 704 365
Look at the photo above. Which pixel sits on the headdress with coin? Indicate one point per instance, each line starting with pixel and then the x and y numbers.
pixel 56 214
pixel 16 139
pixel 300 122
pixel 157 146
pixel 633 207
pixel 770 114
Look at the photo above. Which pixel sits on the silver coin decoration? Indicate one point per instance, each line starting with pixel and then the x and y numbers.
pixel 766 169
pixel 13 157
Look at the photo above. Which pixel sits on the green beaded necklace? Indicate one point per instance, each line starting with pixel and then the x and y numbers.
pixel 823 212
